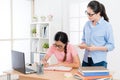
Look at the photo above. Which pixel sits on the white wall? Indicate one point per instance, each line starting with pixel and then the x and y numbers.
pixel 15 18
pixel 21 19
pixel 48 7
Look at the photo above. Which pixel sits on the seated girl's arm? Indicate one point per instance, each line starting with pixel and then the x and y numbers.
pixel 75 58
pixel 74 64
pixel 47 56
pixel 44 60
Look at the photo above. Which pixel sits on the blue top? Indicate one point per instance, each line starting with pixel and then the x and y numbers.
pixel 99 35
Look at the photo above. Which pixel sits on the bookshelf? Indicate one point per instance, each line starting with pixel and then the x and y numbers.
pixel 39 35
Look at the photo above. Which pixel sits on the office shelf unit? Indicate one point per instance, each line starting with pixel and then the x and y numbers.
pixel 40 34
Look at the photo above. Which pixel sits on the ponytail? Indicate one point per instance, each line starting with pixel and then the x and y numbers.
pixel 103 13
pixel 65 50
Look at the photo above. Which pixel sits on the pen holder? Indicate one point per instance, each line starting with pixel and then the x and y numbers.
pixel 40 69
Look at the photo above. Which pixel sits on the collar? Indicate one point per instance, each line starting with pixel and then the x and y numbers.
pixel 100 20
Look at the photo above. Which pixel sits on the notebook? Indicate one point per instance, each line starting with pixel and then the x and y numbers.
pixel 58 68
pixel 18 62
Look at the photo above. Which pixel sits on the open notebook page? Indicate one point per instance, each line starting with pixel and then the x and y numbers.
pixel 58 68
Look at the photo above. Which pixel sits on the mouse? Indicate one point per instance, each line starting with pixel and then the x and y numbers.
pixel 29 64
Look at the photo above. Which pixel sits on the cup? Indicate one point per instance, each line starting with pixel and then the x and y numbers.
pixel 40 69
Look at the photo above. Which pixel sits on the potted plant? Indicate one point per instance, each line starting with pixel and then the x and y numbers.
pixel 34 32
pixel 34 19
pixel 45 46
pixel 43 18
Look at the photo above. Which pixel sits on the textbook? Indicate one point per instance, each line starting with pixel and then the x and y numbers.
pixel 58 68
pixel 94 71
pixel 107 77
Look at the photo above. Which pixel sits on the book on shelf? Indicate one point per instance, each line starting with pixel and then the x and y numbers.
pixel 94 71
pixel 79 75
pixel 58 68
pixel 44 30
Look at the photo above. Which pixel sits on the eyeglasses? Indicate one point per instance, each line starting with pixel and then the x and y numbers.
pixel 89 14
pixel 58 46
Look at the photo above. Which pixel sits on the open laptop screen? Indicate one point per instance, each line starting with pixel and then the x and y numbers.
pixel 18 61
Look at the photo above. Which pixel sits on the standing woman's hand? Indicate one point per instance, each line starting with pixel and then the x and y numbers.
pixel 83 46
pixel 91 48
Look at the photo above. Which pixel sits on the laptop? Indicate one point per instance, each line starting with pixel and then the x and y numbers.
pixel 18 62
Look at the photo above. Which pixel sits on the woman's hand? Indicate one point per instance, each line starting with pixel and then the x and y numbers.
pixel 83 46
pixel 59 64
pixel 96 48
pixel 91 48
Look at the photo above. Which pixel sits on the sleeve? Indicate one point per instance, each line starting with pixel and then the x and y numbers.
pixel 73 50
pixel 109 39
pixel 50 51
pixel 83 36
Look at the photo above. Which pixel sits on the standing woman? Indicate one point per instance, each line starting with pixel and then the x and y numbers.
pixel 97 37
pixel 63 51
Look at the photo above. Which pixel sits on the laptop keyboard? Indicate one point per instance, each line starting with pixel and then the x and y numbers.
pixel 28 70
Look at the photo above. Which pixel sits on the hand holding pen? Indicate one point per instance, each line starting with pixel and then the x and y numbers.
pixel 44 62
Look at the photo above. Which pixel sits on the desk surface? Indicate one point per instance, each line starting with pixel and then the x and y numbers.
pixel 48 75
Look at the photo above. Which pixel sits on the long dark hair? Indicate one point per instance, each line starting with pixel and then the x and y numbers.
pixel 62 36
pixel 98 7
